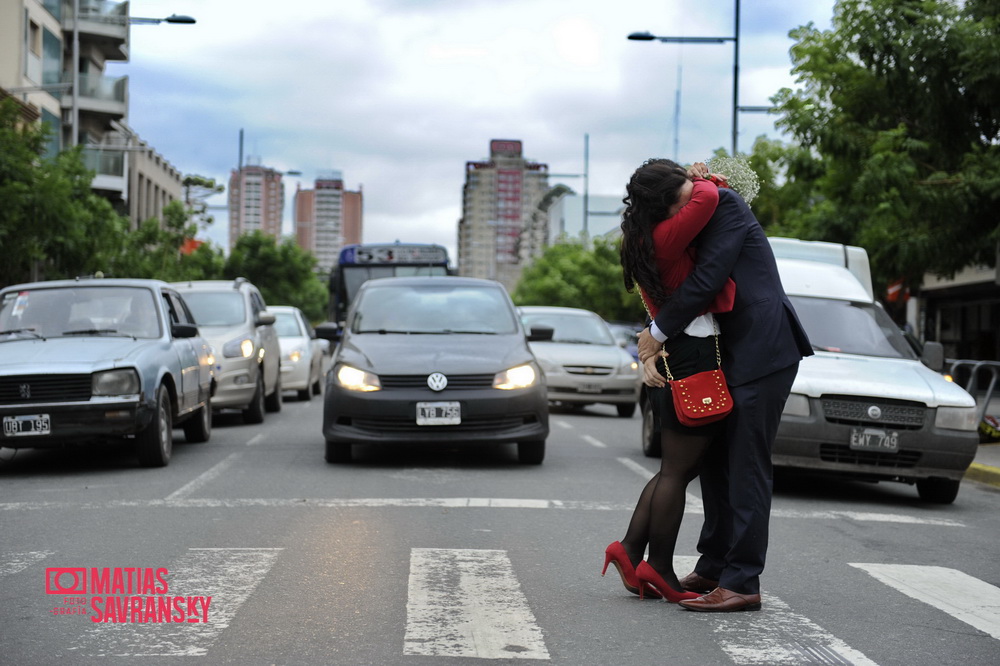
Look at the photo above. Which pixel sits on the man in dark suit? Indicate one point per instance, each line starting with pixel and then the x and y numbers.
pixel 762 342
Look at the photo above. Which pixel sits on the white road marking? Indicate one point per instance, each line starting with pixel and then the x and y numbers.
pixel 468 603
pixel 204 478
pixel 562 424
pixel 594 442
pixel 774 635
pixel 693 506
pixel 692 502
pixel 256 439
pixel 975 602
pixel 227 575
pixel 12 563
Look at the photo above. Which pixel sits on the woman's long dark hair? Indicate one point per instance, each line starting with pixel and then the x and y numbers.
pixel 652 190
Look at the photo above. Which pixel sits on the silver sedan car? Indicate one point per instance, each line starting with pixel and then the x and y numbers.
pixel 90 359
pixel 303 355
pixel 583 362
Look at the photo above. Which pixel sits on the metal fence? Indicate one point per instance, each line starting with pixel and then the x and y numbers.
pixel 974 375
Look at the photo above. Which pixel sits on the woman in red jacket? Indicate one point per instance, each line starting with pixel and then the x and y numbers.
pixel 666 208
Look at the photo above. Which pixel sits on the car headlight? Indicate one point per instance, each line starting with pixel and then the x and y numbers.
pixel 629 367
pixel 353 379
pixel 521 376
pixel 295 355
pixel 956 418
pixel 115 382
pixel 237 348
pixel 796 405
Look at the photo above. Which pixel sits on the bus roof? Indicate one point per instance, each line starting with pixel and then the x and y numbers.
pixel 394 253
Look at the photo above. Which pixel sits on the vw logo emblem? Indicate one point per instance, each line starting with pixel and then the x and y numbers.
pixel 437 381
pixel 874 412
pixel 25 390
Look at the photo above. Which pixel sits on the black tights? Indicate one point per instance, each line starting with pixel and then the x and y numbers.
pixel 657 517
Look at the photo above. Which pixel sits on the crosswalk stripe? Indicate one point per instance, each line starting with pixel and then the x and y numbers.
pixel 775 635
pixel 227 575
pixel 468 603
pixel 974 602
pixel 12 563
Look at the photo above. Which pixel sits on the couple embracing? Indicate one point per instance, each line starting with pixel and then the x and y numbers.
pixel 708 278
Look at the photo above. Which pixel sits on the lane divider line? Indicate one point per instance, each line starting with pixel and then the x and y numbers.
pixel 204 478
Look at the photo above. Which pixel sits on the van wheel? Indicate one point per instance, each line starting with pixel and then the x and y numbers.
pixel 305 394
pixel 338 452
pixel 531 452
pixel 626 411
pixel 937 490
pixel 650 435
pixel 155 443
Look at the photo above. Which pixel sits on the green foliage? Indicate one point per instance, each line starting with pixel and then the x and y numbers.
pixel 284 273
pixel 570 274
pixel 52 224
pixel 898 126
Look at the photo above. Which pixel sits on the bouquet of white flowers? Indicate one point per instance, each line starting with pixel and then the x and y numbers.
pixel 739 175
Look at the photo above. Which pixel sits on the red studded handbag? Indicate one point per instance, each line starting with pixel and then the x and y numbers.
pixel 703 397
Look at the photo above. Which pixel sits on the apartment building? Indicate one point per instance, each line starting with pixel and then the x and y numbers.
pixel 256 201
pixel 502 228
pixel 53 57
pixel 327 218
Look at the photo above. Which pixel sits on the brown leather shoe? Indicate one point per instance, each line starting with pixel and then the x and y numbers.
pixel 695 583
pixel 721 600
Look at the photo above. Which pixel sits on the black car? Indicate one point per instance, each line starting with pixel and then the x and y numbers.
pixel 432 360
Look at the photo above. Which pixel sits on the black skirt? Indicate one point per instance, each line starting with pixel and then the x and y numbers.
pixel 688 355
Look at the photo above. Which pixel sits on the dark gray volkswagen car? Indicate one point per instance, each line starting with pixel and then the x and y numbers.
pixel 434 360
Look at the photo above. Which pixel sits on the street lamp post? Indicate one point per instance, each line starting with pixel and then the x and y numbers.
pixel 735 39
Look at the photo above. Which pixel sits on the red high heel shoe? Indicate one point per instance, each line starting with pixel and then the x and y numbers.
pixel 649 579
pixel 615 554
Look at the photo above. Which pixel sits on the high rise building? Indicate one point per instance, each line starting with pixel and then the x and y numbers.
pixel 327 218
pixel 53 56
pixel 256 201
pixel 502 230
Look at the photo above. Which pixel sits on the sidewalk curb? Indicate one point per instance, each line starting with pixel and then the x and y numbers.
pixel 984 474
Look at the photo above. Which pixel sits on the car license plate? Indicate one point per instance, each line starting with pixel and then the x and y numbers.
pixel 27 425
pixel 874 439
pixel 589 388
pixel 439 413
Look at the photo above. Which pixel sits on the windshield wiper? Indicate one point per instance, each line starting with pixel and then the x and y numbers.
pixel 471 332
pixel 97 331
pixel 574 341
pixel 22 330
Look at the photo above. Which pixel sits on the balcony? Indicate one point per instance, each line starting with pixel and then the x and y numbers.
pixel 103 26
pixel 103 95
pixel 109 167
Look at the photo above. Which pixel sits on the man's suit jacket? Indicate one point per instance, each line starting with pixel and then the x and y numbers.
pixel 762 333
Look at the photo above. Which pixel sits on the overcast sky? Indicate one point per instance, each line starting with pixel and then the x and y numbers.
pixel 399 94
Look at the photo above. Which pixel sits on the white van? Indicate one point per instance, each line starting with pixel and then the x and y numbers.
pixel 865 405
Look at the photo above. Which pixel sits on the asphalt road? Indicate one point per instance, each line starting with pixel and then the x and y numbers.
pixel 445 555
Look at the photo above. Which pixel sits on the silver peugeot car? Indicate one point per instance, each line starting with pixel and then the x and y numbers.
pixel 91 359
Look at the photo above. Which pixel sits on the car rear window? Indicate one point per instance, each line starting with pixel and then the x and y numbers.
pixel 216 308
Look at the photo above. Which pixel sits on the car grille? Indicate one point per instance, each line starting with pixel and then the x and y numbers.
pixel 473 424
pixel 851 410
pixel 25 389
pixel 840 453
pixel 586 370
pixel 459 382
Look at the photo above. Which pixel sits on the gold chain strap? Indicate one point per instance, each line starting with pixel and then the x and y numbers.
pixel 663 351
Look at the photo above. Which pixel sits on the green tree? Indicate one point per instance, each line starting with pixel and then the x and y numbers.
pixel 197 190
pixel 571 274
pixel 153 250
pixel 52 224
pixel 899 108
pixel 284 273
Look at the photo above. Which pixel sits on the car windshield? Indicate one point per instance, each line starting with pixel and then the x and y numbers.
pixel 79 311
pixel 578 328
pixel 851 328
pixel 433 309
pixel 288 325
pixel 216 308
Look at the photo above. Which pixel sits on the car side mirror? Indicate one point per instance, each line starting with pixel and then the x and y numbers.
pixel 329 331
pixel 933 356
pixel 265 318
pixel 184 330
pixel 540 334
